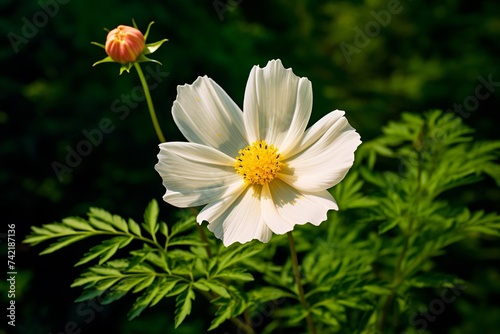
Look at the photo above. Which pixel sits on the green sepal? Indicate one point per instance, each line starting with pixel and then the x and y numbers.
pixel 147 30
pixel 108 59
pixel 152 47
pixel 98 44
pixel 126 67
pixel 143 59
pixel 135 24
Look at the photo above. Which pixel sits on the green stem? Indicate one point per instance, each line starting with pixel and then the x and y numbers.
pixel 151 108
pixel 396 279
pixel 300 288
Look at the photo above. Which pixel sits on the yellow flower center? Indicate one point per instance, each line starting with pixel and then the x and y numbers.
pixel 258 163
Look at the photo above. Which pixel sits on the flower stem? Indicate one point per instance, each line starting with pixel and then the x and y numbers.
pixel 302 298
pixel 151 108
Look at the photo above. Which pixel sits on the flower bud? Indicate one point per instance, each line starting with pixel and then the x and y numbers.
pixel 125 44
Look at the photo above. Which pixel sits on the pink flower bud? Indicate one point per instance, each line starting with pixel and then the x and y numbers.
pixel 125 44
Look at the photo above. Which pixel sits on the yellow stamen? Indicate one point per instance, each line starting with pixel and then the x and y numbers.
pixel 258 163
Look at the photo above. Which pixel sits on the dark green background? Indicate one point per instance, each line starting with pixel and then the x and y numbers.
pixel 428 56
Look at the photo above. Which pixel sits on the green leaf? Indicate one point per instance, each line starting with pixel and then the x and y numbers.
pixel 348 194
pixel 332 305
pixel 89 294
pixel 224 312
pixel 200 285
pixel 485 230
pixel 151 219
pixel 326 318
pixel 182 226
pixel 432 279
pixel 378 290
pixel 112 296
pixel 63 242
pixel 42 231
pixel 146 282
pixel 186 240
pixel 177 289
pixel 268 293
pixel 36 239
pixel 183 304
pixel 120 223
pixel 153 256
pixel 88 278
pixel 166 286
pixel 493 170
pixel 237 253
pixel 180 255
pixel 235 274
pixel 106 284
pixel 58 229
pixel 354 303
pixel 214 286
pixel 100 225
pixel 105 250
pixel 77 223
pixel 164 229
pixel 387 225
pixel 108 218
pixel 105 271
pixel 134 227
pixel 143 301
pixel 139 257
pixel 129 283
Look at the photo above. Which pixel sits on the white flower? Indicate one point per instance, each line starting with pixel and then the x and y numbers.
pixel 259 171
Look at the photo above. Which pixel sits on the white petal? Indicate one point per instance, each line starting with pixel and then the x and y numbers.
pixel 273 219
pixel 237 218
pixel 283 207
pixel 324 155
pixel 205 114
pixel 277 106
pixel 195 174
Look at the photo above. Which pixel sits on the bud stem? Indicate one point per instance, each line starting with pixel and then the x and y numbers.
pixel 151 108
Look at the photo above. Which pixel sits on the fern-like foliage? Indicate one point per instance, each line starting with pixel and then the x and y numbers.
pixel 436 154
pixel 164 261
pixel 362 270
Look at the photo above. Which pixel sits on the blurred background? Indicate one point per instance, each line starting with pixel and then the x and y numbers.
pixel 374 58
